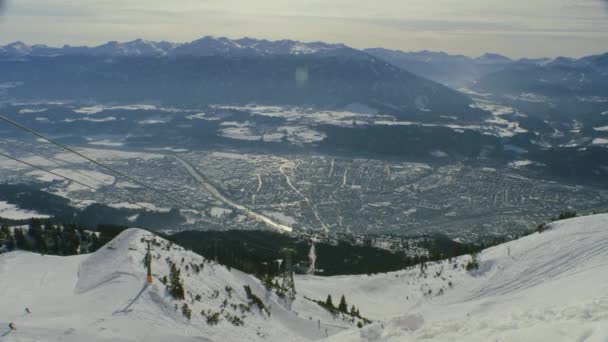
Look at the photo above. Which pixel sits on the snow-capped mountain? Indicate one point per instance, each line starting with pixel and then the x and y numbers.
pixel 548 286
pixel 206 46
pixel 557 80
pixel 210 46
pixel 453 70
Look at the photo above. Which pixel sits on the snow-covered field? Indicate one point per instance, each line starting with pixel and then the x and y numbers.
pixel 12 212
pixel 551 286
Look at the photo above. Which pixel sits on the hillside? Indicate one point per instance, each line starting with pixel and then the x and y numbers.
pixel 550 286
pixel 104 296
pixel 452 70
pixel 546 286
pixel 193 81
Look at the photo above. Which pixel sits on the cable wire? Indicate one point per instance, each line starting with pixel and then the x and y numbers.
pixel 2 117
pixel 61 176
pixel 55 162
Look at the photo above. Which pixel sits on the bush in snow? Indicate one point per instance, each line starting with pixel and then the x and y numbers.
pixel 212 318
pixel 186 311
pixel 473 264
pixel 255 300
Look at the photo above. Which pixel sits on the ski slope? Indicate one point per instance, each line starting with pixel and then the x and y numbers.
pixel 551 286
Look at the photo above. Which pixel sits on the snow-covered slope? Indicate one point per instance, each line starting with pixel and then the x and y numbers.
pixel 104 297
pixel 551 286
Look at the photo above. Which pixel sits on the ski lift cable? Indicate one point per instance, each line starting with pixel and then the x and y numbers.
pixel 55 161
pixel 4 118
pixel 58 175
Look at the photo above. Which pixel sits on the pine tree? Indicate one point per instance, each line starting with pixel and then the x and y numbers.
pixel 343 307
pixel 37 234
pixel 3 230
pixel 95 243
pixel 10 239
pixel 267 281
pixel 329 302
pixel 57 240
pixel 71 241
pixel 21 241
pixel 175 286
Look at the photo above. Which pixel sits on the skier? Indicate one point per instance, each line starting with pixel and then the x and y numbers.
pixel 11 325
pixel 27 310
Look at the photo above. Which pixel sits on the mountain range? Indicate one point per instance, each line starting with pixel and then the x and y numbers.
pixel 453 70
pixel 205 46
pixel 219 70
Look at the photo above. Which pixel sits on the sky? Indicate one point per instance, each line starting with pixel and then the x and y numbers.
pixel 516 28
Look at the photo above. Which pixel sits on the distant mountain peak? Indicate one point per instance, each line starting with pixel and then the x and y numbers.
pixel 204 46
pixel 494 57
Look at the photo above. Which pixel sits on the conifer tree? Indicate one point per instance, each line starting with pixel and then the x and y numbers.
pixel 37 235
pixel 329 302
pixel 95 243
pixel 175 283
pixel 10 239
pixel 343 307
pixel 21 241
pixel 71 241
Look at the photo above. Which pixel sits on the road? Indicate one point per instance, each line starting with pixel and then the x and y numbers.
pixel 312 207
pixel 199 177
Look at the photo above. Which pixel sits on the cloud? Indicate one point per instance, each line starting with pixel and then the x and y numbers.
pixel 472 27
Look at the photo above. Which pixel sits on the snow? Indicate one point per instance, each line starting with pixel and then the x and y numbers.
pixel 154 121
pixel 600 141
pixel 32 110
pixel 601 129
pixel 105 119
pixel 218 212
pixel 550 286
pixel 280 217
pixel 100 108
pixel 92 178
pixel 201 116
pixel 520 163
pixel 438 154
pixel 105 142
pixel 105 155
pixel 104 297
pixel 12 212
pixel 139 205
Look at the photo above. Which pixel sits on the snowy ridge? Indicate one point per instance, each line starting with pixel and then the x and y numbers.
pixel 104 296
pixel 550 286
pixel 205 46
